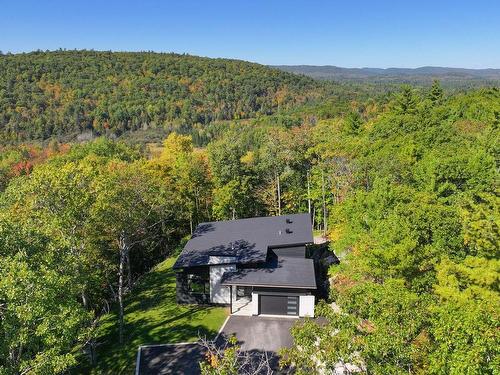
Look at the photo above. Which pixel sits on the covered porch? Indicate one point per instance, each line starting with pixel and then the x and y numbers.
pixel 241 300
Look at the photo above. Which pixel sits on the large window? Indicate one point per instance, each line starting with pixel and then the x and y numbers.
pixel 198 285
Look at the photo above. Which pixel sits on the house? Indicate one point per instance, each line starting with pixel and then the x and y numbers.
pixel 257 266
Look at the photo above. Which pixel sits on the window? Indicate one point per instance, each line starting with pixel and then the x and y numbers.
pixel 243 292
pixel 198 285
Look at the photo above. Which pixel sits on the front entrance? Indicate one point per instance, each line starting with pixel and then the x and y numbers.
pixel 244 292
pixel 278 305
pixel 241 300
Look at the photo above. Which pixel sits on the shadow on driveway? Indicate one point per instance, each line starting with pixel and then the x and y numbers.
pixel 260 333
pixel 258 336
pixel 171 359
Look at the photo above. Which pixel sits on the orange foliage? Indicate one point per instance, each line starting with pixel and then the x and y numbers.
pixel 32 156
pixel 469 126
pixel 23 167
pixel 212 360
pixel 196 86
pixel 366 326
pixel 342 283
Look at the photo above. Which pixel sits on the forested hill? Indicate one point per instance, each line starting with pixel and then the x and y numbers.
pixel 449 77
pixel 66 93
pixel 405 189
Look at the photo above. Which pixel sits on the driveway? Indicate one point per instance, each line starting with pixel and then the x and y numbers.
pixel 170 359
pixel 257 333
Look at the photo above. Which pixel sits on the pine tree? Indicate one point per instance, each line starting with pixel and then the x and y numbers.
pixel 436 92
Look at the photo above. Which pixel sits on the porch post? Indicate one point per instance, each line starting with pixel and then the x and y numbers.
pixel 230 299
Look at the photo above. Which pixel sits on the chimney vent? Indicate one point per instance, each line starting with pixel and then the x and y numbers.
pixel 288 230
pixel 289 221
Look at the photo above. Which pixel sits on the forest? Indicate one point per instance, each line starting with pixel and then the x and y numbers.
pixel 404 183
pixel 64 94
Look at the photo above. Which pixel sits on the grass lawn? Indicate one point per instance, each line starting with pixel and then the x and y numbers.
pixel 152 317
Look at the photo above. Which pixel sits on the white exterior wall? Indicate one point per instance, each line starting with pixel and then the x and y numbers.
pixel 306 306
pixel 221 260
pixel 255 304
pixel 218 292
pixel 234 293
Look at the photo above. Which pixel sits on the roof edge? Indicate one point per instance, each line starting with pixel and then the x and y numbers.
pixel 269 285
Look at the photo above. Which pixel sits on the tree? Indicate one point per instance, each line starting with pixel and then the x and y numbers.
pixel 353 122
pixel 465 321
pixel 232 201
pixel 186 171
pixel 436 92
pixel 417 234
pixel 57 198
pixel 233 181
pixel 130 209
pixel 90 93
pixel 406 101
pixel 481 225
pixel 41 319
pixel 229 359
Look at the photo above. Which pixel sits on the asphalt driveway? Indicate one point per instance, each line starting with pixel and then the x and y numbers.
pixel 170 359
pixel 257 333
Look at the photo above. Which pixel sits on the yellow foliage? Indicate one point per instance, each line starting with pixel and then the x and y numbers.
pixel 248 159
pixel 213 360
pixel 176 144
pixel 335 233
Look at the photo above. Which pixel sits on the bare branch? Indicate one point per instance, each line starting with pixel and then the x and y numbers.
pixel 243 362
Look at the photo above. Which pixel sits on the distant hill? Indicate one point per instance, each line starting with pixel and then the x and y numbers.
pixel 80 94
pixel 424 75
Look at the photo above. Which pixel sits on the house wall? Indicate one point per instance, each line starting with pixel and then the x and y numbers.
pixel 255 303
pixel 182 290
pixel 221 259
pixel 306 306
pixel 306 300
pixel 295 251
pixel 218 292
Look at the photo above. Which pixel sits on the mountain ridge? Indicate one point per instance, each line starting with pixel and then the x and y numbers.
pixel 67 94
pixel 332 72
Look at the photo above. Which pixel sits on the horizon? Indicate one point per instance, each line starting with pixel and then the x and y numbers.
pixel 254 62
pixel 451 34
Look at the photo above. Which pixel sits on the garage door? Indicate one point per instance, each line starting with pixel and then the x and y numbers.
pixel 278 305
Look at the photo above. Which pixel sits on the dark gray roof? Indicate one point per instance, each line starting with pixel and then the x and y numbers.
pixel 281 272
pixel 246 239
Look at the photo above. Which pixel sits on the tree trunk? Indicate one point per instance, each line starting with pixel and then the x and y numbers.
pixel 121 271
pixel 324 201
pixel 92 353
pixel 313 216
pixel 308 194
pixel 279 193
pixel 129 271
pixel 196 208
pixel 84 300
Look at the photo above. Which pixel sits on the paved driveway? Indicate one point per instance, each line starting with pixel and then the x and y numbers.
pixel 257 333
pixel 170 359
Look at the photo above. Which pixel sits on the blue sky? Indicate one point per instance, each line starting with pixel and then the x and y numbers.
pixel 343 33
